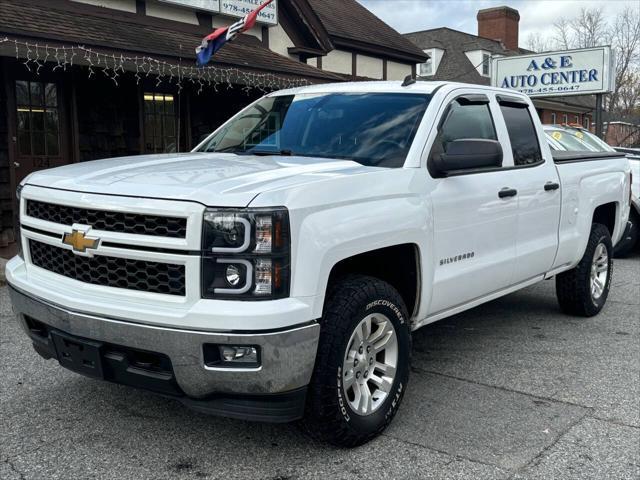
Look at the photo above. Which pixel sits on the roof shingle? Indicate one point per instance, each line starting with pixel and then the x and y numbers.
pixel 89 26
pixel 347 19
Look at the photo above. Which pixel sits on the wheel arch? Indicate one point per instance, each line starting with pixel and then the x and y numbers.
pixel 398 265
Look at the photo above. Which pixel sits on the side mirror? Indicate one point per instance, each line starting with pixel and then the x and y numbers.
pixel 468 154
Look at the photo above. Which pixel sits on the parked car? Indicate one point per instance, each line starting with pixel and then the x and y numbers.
pixel 278 270
pixel 566 138
pixel 575 139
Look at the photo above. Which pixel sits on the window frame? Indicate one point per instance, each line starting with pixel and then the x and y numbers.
pixel 432 59
pixel 554 118
pixel 29 108
pixel 162 117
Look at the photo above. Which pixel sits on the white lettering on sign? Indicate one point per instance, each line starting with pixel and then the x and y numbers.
pixel 572 72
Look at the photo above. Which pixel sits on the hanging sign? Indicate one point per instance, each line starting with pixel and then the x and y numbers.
pixel 206 5
pixel 233 8
pixel 240 8
pixel 570 72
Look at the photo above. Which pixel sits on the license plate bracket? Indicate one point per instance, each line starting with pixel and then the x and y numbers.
pixel 77 354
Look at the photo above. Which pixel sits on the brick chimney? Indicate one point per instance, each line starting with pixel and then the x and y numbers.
pixel 499 23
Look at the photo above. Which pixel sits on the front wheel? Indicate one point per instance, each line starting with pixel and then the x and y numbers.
pixel 584 290
pixel 362 367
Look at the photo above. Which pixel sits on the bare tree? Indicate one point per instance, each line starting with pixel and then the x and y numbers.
pixel 625 40
pixel 539 43
pixel 589 29
pixel 562 36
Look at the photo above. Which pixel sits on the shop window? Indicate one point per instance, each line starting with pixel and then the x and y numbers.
pixel 160 123
pixel 565 119
pixel 38 124
pixel 553 118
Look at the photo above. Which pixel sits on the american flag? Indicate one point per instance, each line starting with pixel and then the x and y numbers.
pixel 215 41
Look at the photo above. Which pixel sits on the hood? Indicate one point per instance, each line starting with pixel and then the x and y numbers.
pixel 213 179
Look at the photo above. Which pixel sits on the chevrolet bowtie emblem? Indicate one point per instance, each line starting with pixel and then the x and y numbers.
pixel 79 241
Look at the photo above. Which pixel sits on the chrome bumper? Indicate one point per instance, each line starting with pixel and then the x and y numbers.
pixel 287 356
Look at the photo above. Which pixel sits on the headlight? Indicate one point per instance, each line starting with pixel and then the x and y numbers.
pixel 245 254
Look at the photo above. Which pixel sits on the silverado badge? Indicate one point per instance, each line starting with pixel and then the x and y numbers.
pixel 79 241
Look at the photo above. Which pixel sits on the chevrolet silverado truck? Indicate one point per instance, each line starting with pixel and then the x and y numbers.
pixel 277 271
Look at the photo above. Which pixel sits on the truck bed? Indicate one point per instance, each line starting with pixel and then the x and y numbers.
pixel 560 156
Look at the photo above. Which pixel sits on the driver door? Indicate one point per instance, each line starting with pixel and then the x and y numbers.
pixel 475 212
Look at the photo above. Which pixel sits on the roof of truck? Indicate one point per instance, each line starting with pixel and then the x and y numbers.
pixel 425 87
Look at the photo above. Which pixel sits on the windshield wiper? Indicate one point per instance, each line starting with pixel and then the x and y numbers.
pixel 264 153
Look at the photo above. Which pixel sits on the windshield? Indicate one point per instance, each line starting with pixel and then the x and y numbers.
pixel 569 141
pixel 592 141
pixel 373 129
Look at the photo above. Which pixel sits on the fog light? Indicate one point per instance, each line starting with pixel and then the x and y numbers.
pixel 239 354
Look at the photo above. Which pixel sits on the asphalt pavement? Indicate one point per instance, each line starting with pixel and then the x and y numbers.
pixel 510 390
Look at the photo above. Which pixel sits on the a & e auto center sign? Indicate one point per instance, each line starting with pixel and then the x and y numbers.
pixel 570 72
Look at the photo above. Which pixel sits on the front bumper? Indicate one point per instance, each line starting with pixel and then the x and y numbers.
pixel 287 356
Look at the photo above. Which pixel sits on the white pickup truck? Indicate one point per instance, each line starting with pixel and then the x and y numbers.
pixel 277 271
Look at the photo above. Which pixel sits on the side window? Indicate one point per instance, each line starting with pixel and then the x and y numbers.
pixel 471 120
pixel 522 133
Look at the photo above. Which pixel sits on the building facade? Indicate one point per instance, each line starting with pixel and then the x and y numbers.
pixel 462 57
pixel 91 79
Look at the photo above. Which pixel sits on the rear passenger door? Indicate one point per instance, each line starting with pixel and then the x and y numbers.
pixel 474 225
pixel 538 185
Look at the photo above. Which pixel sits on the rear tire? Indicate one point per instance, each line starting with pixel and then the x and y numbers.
pixel 363 361
pixel 583 291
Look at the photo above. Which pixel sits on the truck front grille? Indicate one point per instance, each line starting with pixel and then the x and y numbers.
pixel 126 273
pixel 140 224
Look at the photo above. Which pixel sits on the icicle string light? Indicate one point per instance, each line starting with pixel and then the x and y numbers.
pixel 35 56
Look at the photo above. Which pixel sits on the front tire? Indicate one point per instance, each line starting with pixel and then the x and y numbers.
pixel 363 361
pixel 583 291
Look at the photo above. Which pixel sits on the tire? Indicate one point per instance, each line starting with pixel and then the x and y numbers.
pixel 628 243
pixel 332 405
pixel 574 288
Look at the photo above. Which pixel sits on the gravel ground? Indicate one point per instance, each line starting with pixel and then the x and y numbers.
pixel 512 389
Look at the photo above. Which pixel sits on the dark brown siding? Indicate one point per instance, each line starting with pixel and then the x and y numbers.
pixel 6 192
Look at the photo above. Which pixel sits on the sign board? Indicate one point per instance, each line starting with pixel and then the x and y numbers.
pixel 233 8
pixel 570 72
pixel 239 8
pixel 206 5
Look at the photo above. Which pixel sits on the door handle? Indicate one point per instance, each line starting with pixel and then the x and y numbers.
pixel 550 186
pixel 507 192
pixel 16 164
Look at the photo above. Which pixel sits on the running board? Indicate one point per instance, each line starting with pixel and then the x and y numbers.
pixel 478 301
